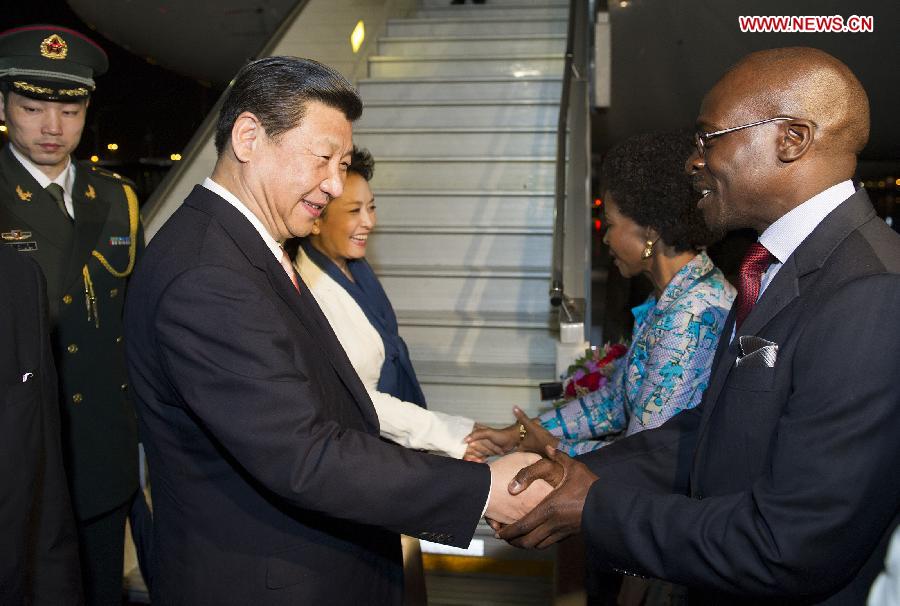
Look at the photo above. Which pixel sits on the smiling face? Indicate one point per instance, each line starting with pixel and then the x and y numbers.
pixel 736 170
pixel 625 238
pixel 342 233
pixel 45 132
pixel 292 178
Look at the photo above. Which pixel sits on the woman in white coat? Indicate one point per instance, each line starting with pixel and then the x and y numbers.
pixel 331 261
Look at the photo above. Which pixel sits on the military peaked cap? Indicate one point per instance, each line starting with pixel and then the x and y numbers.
pixel 49 62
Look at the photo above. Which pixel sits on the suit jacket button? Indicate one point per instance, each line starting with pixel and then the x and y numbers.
pixel 67 299
pixel 72 348
pixel 113 293
pixel 124 386
pixel 77 398
pixel 118 339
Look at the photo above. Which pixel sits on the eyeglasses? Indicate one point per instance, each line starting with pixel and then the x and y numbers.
pixel 702 139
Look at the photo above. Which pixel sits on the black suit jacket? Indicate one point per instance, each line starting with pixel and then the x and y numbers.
pixel 270 484
pixel 99 426
pixel 39 549
pixel 782 485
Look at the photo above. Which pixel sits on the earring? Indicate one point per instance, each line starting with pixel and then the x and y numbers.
pixel 648 250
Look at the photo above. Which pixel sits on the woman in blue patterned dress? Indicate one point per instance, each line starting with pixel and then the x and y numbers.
pixel 653 228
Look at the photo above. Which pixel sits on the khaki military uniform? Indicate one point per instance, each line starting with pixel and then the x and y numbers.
pixel 87 264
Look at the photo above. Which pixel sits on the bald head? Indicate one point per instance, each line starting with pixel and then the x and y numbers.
pixel 781 126
pixel 805 83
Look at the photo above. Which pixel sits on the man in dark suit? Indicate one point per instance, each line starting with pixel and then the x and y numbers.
pixel 782 485
pixel 81 225
pixel 271 485
pixel 39 550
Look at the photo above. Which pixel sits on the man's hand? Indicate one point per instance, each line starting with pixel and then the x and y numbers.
pixel 504 506
pixel 557 516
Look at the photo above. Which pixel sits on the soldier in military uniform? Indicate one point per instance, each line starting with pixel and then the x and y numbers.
pixel 81 224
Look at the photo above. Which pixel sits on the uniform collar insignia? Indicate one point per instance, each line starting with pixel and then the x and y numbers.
pixel 24 196
pixel 15 235
pixel 90 193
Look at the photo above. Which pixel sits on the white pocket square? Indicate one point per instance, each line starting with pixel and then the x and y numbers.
pixel 756 352
pixel 27 376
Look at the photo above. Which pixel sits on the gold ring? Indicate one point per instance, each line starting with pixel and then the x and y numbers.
pixel 523 431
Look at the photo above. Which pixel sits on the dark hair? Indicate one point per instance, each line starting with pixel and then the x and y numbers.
pixel 362 163
pixel 645 175
pixel 277 89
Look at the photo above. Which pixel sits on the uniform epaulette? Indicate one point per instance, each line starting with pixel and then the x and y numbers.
pixel 108 174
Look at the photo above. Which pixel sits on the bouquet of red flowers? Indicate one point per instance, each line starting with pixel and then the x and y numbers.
pixel 591 371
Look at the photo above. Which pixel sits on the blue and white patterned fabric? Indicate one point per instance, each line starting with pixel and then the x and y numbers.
pixel 666 369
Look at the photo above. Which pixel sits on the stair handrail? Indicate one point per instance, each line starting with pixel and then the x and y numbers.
pixel 576 65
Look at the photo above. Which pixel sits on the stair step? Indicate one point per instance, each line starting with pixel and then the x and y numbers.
pixel 486 404
pixel 464 88
pixel 441 3
pixel 461 247
pixel 477 290
pixel 432 142
pixel 478 337
pixel 484 25
pixel 472 208
pixel 534 174
pixel 497 319
pixel 510 11
pixel 430 46
pixel 547 64
pixel 496 374
pixel 480 344
pixel 468 230
pixel 488 272
pixel 480 289
pixel 485 392
pixel 459 114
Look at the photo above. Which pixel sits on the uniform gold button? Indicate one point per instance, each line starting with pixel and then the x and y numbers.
pixel 72 348
pixel 118 339
pixel 77 398
pixel 67 299
pixel 124 386
pixel 113 292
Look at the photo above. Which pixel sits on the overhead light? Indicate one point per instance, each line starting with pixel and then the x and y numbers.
pixel 2 128
pixel 95 158
pixel 358 35
pixel 175 157
pixel 624 3
pixel 112 146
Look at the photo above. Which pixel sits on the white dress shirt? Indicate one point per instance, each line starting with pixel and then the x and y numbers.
pixel 65 179
pixel 402 422
pixel 886 588
pixel 786 234
pixel 229 197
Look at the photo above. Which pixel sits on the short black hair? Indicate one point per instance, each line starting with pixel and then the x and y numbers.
pixel 645 175
pixel 362 163
pixel 277 89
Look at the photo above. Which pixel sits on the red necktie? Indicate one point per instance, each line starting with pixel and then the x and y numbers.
pixel 754 264
pixel 289 269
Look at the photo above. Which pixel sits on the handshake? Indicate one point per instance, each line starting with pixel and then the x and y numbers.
pixel 537 493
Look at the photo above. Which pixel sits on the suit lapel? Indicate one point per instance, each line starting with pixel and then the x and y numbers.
pixel 31 204
pixel 302 305
pixel 90 215
pixel 785 287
